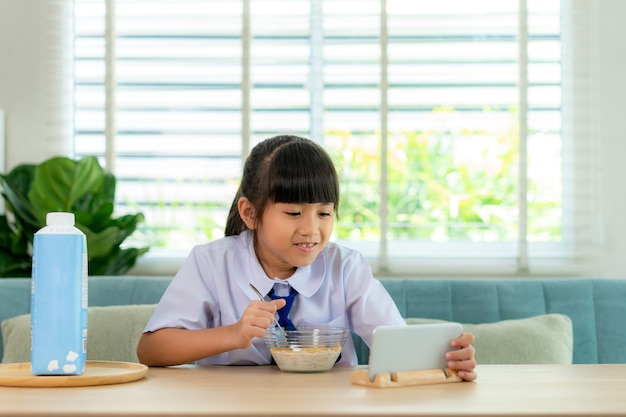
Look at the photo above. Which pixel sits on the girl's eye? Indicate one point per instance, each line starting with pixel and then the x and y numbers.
pixel 326 214
pixel 292 213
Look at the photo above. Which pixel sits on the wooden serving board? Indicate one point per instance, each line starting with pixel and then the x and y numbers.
pixel 96 373
pixel 406 378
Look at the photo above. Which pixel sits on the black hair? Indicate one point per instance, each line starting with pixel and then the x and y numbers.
pixel 284 169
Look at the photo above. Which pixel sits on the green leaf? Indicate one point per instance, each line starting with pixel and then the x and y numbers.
pixel 96 209
pixel 15 188
pixel 60 182
pixel 123 260
pixel 12 266
pixel 102 243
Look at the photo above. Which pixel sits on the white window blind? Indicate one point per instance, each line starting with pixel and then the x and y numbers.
pixel 461 130
pixel 53 73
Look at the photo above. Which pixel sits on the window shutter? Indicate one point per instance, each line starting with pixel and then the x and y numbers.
pixel 421 105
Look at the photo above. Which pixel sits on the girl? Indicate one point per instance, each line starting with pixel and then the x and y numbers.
pixel 277 238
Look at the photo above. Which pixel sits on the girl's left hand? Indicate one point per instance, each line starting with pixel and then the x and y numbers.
pixel 462 359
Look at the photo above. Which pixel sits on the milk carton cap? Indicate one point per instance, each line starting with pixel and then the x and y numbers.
pixel 60 218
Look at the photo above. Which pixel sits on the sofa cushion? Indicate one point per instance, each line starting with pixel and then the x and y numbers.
pixel 540 339
pixel 113 333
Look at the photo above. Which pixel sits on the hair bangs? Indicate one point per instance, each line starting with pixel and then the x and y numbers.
pixel 303 173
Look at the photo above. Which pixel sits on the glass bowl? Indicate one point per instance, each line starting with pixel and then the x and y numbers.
pixel 307 349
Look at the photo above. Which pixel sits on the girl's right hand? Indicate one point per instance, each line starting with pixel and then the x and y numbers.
pixel 255 320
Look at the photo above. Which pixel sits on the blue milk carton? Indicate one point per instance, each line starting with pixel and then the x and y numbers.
pixel 59 298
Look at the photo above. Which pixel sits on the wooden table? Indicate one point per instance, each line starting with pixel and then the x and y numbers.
pixel 511 390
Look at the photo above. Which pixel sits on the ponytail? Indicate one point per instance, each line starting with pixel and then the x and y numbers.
pixel 234 222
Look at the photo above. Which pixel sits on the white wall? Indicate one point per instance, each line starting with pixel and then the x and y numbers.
pixel 23 97
pixel 611 65
pixel 24 30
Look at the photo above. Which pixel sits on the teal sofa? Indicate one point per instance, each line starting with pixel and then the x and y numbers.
pixel 596 306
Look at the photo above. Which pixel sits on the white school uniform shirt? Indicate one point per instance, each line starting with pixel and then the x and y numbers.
pixel 212 289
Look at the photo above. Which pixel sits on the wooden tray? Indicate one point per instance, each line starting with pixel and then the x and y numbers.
pixel 406 378
pixel 96 373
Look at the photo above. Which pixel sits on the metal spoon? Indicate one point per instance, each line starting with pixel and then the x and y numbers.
pixel 282 331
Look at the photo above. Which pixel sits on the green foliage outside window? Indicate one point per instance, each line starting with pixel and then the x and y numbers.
pixel 442 186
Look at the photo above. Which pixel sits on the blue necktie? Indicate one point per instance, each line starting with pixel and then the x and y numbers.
pixel 283 320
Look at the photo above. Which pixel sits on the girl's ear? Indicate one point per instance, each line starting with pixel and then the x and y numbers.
pixel 247 212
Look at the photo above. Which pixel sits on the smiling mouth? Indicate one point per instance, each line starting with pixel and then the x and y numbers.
pixel 306 245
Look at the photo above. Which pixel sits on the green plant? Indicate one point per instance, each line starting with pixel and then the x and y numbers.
pixel 443 184
pixel 82 187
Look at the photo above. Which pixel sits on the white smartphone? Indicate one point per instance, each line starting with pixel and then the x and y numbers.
pixel 411 348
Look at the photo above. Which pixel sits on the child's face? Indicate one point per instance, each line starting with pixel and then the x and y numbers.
pixel 292 235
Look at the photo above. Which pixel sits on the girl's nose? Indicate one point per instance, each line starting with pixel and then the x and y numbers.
pixel 308 226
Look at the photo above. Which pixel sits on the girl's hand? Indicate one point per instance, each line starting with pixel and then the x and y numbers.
pixel 462 359
pixel 255 320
